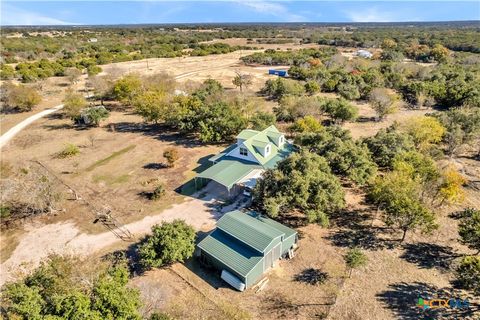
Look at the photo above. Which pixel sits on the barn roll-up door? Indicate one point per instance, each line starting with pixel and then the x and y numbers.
pixel 232 280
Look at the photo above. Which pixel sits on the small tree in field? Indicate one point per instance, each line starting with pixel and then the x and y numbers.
pixel 242 80
pixel 355 258
pixel 312 87
pixel 169 242
pixel 382 102
pixel 94 115
pixel 398 194
pixel 425 131
pixel 73 74
pixel 469 229
pixel 171 154
pixel 73 104
pixel 158 192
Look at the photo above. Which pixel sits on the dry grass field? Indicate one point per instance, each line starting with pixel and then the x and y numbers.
pixel 117 168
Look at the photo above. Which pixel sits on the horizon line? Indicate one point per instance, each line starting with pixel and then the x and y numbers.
pixel 232 23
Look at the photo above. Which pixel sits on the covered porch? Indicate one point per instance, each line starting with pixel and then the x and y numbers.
pixel 232 174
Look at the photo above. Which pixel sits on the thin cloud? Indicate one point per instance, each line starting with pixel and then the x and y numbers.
pixel 375 15
pixel 12 15
pixel 274 9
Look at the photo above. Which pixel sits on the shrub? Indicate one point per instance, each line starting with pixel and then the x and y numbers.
pixel 94 115
pixel 171 154
pixel 468 274
pixel 70 150
pixel 355 258
pixel 93 70
pixel 312 87
pixel 262 120
pixel 425 131
pixel 158 192
pixel 308 124
pixel 6 72
pixel 169 242
pixel 340 110
pixel 127 88
pixel 22 98
pixel 348 91
pixel 469 228
pixel 73 104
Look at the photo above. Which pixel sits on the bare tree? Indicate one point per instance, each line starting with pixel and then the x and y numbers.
pixel 92 138
pixel 101 86
pixel 73 74
pixel 242 80
pixel 383 102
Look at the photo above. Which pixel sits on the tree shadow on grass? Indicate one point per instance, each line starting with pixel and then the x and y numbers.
pixel 362 237
pixel 429 255
pixel 311 276
pixel 402 299
pixel 355 231
pixel 159 132
pixel 155 166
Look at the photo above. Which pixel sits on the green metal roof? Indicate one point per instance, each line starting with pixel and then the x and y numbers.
pixel 279 156
pixel 228 171
pixel 248 229
pixel 215 158
pixel 247 134
pixel 241 238
pixel 272 133
pixel 288 232
pixel 260 144
pixel 260 140
pixel 230 251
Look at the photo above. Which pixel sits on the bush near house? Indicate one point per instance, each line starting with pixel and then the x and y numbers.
pixel 169 242
pixel 172 155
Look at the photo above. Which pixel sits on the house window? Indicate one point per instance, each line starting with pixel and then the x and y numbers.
pixel 281 139
pixel 267 150
pixel 243 152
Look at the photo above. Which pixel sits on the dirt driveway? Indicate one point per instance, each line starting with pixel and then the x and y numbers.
pixel 201 211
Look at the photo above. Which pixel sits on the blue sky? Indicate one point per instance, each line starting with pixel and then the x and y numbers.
pixel 134 12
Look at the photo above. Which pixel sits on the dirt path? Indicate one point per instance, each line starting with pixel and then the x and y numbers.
pixel 66 238
pixel 7 136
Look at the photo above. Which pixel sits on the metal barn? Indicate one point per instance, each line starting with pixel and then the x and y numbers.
pixel 244 246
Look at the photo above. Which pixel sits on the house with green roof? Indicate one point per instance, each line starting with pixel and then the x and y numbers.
pixel 245 245
pixel 241 164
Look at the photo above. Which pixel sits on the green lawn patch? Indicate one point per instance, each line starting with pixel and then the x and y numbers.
pixel 106 160
pixel 109 180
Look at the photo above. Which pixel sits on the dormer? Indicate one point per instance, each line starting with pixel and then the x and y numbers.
pixel 277 138
pixel 264 148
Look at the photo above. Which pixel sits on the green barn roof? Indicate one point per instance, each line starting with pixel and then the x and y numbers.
pixel 230 252
pixel 241 238
pixel 250 230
